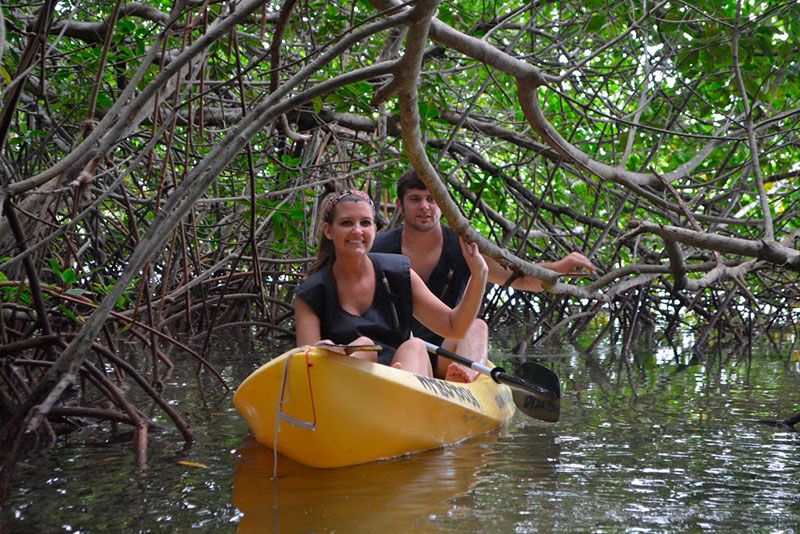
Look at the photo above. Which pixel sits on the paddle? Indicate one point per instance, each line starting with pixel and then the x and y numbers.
pixel 537 393
pixel 350 349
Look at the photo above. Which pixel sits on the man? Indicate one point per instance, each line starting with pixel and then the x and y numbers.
pixel 435 255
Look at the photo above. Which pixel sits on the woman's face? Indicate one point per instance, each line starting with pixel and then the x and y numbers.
pixel 352 230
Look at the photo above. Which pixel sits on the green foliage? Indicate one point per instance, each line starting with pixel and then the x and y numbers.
pixel 67 276
pixel 677 59
pixel 125 301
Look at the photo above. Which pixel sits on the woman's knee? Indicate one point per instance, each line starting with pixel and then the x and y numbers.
pixel 365 342
pixel 361 340
pixel 416 345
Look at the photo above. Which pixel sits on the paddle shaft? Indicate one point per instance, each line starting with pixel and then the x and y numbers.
pixel 498 374
pixel 350 349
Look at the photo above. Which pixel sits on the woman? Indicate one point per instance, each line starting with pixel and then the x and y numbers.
pixel 357 298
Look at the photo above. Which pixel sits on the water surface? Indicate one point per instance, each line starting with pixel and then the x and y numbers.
pixel 645 446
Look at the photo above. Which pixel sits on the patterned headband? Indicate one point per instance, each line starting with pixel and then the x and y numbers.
pixel 327 213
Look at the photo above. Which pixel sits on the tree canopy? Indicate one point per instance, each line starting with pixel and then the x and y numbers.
pixel 162 163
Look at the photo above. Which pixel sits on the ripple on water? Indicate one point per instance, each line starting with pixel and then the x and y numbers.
pixel 683 455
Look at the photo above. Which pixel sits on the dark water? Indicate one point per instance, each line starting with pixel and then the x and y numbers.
pixel 647 447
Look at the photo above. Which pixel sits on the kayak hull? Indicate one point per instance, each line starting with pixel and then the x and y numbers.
pixel 324 409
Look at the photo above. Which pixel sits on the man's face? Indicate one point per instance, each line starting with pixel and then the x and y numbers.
pixel 420 212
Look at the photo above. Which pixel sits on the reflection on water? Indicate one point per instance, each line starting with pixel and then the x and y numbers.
pixel 653 447
pixel 411 493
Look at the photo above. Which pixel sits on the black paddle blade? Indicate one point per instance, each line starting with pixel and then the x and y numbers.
pixel 544 409
pixel 541 376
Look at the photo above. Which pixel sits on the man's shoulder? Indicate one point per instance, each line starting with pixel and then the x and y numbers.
pixel 450 242
pixel 389 241
pixel 448 232
pixel 388 259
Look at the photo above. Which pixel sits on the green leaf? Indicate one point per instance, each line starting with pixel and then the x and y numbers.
pixel 596 23
pixel 24 295
pixel 291 161
pixel 427 112
pixel 55 266
pixel 69 314
pixel 77 292
pixel 104 101
pixel 126 25
pixel 69 276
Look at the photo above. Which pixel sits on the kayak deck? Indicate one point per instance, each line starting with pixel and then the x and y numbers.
pixel 333 410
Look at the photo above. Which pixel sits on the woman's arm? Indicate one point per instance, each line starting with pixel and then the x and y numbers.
pixel 452 323
pixel 306 324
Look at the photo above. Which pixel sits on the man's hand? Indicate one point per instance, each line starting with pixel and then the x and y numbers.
pixel 575 264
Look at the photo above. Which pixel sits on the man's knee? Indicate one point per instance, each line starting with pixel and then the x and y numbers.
pixel 413 355
pixel 480 328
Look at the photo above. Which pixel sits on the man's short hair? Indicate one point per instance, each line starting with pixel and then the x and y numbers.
pixel 409 180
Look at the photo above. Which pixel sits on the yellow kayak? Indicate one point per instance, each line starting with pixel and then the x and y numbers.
pixel 333 410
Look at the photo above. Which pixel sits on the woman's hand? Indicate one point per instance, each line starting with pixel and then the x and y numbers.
pixel 475 261
pixel 452 323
